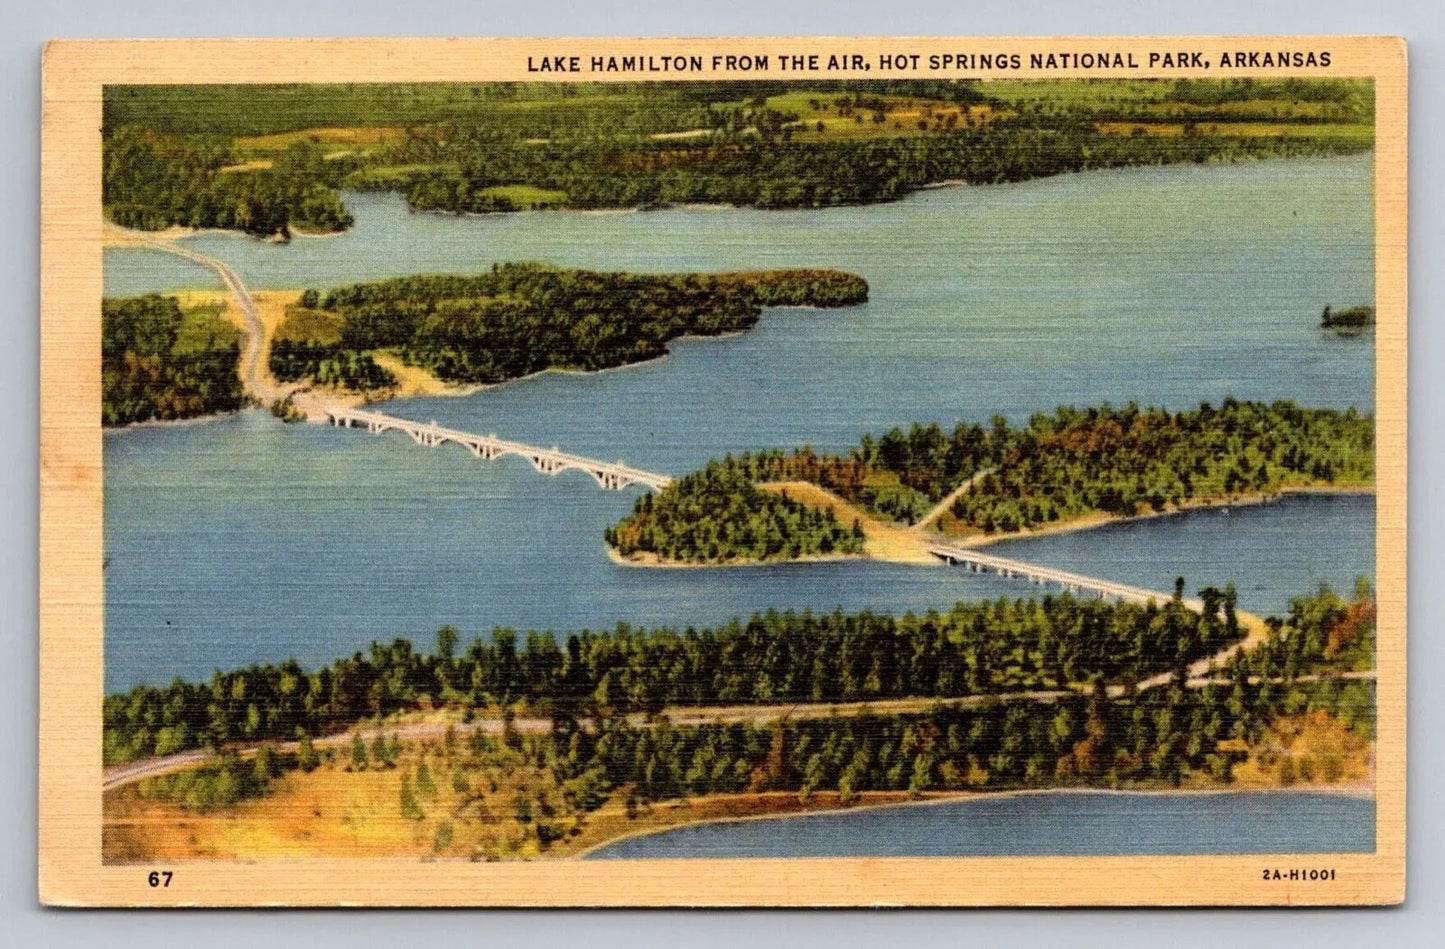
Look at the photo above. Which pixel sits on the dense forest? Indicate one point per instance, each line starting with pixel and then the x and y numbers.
pixel 153 180
pixel 718 514
pixel 517 319
pixel 271 158
pixel 328 365
pixel 1124 461
pixel 157 365
pixel 1160 736
pixel 973 649
pixel 1322 634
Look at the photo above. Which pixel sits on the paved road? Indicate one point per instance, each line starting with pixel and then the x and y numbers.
pixel 253 371
pixel 122 774
pixel 953 495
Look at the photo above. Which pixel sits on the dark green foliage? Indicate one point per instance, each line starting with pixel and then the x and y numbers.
pixel 410 809
pixel 973 649
pixel 1122 461
pixel 517 319
pixel 153 180
pixel 596 146
pixel 1323 633
pixel 717 514
pixel 1353 318
pixel 226 780
pixel 327 365
pixel 424 781
pixel 1129 461
pixel 1157 737
pixel 144 376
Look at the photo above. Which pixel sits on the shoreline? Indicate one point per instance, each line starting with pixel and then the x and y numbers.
pixel 1360 792
pixel 655 563
pixel 1084 523
pixel 1090 522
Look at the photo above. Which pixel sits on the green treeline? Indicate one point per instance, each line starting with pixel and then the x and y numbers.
pixel 1123 461
pixel 1159 736
pixel 517 319
pixel 718 514
pixel 327 365
pixel 227 779
pixel 826 173
pixel 1322 634
pixel 150 370
pixel 1351 318
pixel 177 155
pixel 973 649
pixel 152 181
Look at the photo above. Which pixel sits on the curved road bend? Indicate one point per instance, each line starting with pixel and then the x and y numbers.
pixel 255 380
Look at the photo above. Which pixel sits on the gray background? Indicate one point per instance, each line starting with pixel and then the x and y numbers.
pixel 22 33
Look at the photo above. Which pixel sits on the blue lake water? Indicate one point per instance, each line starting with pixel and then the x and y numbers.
pixel 1043 824
pixel 243 540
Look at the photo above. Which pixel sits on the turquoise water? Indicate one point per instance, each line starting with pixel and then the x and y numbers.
pixel 1044 824
pixel 243 540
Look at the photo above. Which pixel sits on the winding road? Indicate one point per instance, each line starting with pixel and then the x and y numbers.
pixel 254 375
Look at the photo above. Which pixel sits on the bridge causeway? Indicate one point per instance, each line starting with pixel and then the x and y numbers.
pixel 608 475
pixel 980 562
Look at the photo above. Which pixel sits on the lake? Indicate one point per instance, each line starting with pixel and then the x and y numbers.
pixel 243 540
pixel 1049 823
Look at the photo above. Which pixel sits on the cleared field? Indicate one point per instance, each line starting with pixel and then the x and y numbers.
pixel 204 325
pixel 358 136
pixel 527 196
pixel 302 325
pixel 840 117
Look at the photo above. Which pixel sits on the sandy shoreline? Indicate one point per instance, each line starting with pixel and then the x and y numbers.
pixel 890 543
pixel 1092 521
pixel 936 798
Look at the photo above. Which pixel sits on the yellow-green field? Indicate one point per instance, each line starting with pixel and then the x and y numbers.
pixel 527 196
pixel 353 136
pixel 204 326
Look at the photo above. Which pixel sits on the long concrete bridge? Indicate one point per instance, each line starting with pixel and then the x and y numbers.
pixel 609 475
pixel 980 562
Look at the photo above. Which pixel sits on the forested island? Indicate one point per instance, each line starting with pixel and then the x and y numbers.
pixel 1058 468
pixel 595 773
pixel 160 361
pixel 269 160
pixel 518 318
pixel 1350 320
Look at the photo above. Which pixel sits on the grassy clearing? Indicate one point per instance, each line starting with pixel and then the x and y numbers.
pixel 527 196
pixel 302 325
pixel 354 136
pixel 205 327
pixel 901 116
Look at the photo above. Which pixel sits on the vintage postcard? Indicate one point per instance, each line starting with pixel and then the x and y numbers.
pixel 811 472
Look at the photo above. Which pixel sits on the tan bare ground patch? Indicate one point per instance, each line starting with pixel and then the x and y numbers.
pixel 414 380
pixel 881 540
pixel 338 135
pixel 258 164
pixel 1314 749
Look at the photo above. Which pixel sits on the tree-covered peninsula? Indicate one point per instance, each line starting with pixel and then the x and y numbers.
pixel 517 319
pixel 596 732
pixel 269 159
pixel 970 650
pixel 160 361
pixel 1057 468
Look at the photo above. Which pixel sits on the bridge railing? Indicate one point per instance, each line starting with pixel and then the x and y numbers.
pixel 608 474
